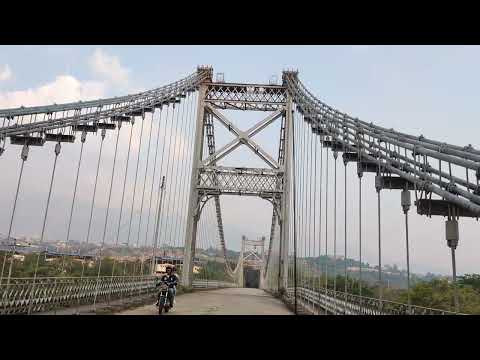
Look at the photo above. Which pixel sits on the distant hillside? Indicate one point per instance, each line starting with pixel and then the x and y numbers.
pixel 391 275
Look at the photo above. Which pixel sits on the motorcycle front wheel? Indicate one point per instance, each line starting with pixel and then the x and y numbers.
pixel 160 309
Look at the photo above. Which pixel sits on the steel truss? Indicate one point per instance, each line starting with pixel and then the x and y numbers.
pixel 246 96
pixel 210 180
pixel 251 257
pixel 219 180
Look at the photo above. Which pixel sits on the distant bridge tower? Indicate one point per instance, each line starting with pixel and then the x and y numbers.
pixel 253 252
pixel 252 258
pixel 209 181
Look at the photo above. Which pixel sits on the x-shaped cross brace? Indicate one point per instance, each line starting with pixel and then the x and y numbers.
pixel 250 255
pixel 243 137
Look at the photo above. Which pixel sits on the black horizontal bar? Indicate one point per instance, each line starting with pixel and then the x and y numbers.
pixel 396 183
pixel 334 145
pixel 108 126
pixel 60 138
pixel 350 157
pixel 120 118
pixel 134 113
pixel 441 208
pixel 87 128
pixel 28 140
pixel 367 166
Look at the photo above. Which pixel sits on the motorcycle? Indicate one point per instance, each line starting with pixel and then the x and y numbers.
pixel 163 301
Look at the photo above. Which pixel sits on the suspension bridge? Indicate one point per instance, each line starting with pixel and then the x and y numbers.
pixel 155 180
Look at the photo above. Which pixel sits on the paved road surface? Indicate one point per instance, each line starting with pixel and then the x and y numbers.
pixel 231 301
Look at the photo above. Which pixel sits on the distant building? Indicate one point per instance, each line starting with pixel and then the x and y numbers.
pixel 19 257
pixel 87 261
pixel 364 269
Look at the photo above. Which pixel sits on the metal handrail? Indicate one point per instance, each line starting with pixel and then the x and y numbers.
pixel 338 302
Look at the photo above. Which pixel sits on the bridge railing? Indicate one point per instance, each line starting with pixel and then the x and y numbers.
pixel 26 295
pixel 209 284
pixel 340 303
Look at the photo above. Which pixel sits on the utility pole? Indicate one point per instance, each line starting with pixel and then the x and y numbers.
pixel 162 188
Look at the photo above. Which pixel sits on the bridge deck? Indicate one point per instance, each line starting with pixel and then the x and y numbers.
pixel 232 301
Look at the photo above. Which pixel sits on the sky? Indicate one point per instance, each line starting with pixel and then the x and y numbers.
pixel 429 90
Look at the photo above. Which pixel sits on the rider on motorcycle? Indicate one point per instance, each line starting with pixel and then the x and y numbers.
pixel 171 280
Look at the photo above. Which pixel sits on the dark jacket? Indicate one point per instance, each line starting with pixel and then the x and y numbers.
pixel 171 281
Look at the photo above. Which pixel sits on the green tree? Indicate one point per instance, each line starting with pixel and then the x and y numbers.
pixel 470 280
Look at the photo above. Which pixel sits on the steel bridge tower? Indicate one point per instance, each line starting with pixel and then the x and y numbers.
pixel 252 257
pixel 209 181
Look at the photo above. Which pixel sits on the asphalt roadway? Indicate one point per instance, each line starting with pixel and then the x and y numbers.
pixel 230 301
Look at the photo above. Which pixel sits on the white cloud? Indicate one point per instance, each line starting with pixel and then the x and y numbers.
pixel 64 88
pixel 5 72
pixel 108 67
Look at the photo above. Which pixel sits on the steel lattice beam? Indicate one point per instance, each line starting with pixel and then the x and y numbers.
pixel 246 96
pixel 242 181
